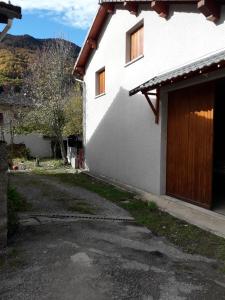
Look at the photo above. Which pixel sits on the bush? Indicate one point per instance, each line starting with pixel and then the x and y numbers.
pixel 18 151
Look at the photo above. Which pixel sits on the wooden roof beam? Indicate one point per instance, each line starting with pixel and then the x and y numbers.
pixel 154 108
pixel 161 8
pixel 109 7
pixel 132 7
pixel 210 9
pixel 80 70
pixel 92 43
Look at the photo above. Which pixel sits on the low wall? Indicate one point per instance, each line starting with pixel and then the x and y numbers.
pixel 3 195
pixel 35 142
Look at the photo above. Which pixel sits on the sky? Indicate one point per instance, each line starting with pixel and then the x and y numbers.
pixel 69 19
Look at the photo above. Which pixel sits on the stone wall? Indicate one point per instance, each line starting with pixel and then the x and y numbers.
pixel 3 195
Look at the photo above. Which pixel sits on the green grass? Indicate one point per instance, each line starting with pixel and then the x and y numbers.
pixel 81 207
pixel 15 204
pixel 99 187
pixel 12 258
pixel 17 201
pixel 186 236
pixel 44 165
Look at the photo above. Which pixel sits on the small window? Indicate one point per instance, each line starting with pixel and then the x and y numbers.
pixel 100 82
pixel 135 43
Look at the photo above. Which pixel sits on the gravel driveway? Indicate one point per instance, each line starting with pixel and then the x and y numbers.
pixel 94 259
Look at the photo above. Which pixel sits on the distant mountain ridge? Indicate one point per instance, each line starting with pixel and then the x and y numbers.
pixel 16 52
pixel 29 42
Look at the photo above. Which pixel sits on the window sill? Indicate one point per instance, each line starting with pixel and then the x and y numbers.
pixel 100 95
pixel 134 60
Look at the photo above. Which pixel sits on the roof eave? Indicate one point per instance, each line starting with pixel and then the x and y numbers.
pixel 9 11
pixel 90 43
pixel 201 70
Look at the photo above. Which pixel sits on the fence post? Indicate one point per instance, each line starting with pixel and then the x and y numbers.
pixel 3 195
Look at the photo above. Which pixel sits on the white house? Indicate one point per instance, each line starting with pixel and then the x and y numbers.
pixel 154 93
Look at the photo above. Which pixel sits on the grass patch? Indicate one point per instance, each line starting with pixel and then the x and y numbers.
pixel 186 236
pixel 17 201
pixel 81 207
pixel 13 258
pixel 99 187
pixel 44 165
pixel 15 204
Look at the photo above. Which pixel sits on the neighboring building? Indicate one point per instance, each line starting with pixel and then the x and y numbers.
pixel 154 91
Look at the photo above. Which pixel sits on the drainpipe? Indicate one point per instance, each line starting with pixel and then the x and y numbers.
pixel 84 117
pixel 6 29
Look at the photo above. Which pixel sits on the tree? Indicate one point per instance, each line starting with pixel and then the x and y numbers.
pixel 50 85
pixel 16 110
pixel 74 114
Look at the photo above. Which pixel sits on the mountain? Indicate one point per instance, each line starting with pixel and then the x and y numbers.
pixel 17 52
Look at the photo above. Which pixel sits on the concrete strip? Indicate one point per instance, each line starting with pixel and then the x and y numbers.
pixel 203 218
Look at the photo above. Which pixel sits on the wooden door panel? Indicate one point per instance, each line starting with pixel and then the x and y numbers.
pixel 190 144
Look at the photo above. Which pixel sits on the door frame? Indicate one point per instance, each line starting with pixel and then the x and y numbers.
pixel 164 92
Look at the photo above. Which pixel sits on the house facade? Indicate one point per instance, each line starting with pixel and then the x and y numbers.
pixel 153 97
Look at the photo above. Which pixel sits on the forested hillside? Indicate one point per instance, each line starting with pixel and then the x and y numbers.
pixel 17 52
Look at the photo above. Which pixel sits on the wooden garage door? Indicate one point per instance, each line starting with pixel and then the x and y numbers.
pixel 190 144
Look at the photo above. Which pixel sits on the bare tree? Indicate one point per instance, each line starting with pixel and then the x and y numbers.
pixel 13 116
pixel 50 86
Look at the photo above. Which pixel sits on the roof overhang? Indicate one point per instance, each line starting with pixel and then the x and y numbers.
pixel 210 8
pixel 199 67
pixel 9 11
pixel 91 39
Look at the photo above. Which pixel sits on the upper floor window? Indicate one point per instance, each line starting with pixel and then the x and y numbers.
pixel 135 43
pixel 100 82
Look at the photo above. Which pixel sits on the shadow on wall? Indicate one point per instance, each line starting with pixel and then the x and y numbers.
pixel 126 143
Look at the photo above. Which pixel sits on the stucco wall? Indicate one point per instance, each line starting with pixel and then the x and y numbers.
pixel 35 142
pixel 122 140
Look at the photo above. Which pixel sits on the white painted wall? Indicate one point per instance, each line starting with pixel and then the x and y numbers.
pixel 122 140
pixel 37 145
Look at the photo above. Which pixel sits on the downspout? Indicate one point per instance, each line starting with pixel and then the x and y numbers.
pixel 84 117
pixel 6 29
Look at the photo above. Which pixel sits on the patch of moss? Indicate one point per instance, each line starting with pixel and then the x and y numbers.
pixel 81 207
pixel 15 204
pixel 13 258
pixel 105 190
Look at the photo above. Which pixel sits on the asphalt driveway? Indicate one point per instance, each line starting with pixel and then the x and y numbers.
pixel 66 257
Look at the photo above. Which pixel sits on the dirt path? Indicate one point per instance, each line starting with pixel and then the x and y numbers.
pixel 50 195
pixel 95 259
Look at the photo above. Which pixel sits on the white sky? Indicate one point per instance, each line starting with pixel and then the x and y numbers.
pixel 77 13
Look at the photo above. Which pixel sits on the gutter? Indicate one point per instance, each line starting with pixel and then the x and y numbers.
pixel 6 29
